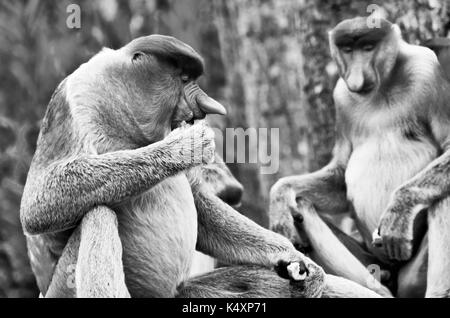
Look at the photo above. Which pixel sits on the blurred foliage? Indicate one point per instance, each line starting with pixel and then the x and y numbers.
pixel 267 60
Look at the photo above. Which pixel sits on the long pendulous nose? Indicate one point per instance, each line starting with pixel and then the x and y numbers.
pixel 196 97
pixel 355 81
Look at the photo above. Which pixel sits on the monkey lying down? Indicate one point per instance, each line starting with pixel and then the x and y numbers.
pixel 108 209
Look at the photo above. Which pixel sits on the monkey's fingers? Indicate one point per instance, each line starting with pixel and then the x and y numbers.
pixel 377 241
pixel 292 270
pixel 297 271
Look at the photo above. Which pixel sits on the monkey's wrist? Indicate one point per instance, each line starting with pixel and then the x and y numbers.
pixel 410 200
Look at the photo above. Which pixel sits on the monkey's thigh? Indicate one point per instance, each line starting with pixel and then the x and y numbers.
pixel 438 275
pixel 256 282
pixel 412 277
pixel 91 263
pixel 387 273
pixel 357 248
pixel 248 282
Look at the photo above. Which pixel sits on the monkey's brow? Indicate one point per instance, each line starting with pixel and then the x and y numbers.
pixel 187 65
pixel 358 40
pixel 172 50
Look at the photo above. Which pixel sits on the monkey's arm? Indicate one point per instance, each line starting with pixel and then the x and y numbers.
pixel 396 230
pixel 325 188
pixel 56 197
pixel 229 236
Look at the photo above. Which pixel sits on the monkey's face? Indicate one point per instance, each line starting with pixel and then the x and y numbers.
pixel 358 70
pixel 364 55
pixel 162 73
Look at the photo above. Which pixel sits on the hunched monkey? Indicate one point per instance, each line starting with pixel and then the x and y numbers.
pixel 106 149
pixel 390 161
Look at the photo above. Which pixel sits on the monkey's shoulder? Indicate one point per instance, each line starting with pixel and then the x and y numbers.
pixel 418 53
pixel 56 137
pixel 419 64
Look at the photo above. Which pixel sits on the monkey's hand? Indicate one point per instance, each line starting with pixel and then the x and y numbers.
pixel 395 233
pixel 195 144
pixel 282 205
pixel 299 268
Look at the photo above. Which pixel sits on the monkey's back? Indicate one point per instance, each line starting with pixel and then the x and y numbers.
pixel 158 230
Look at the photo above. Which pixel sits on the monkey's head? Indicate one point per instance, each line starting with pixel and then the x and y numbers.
pixel 143 90
pixel 365 54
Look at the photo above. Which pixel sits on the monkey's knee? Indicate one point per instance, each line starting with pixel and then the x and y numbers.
pixel 279 187
pixel 100 217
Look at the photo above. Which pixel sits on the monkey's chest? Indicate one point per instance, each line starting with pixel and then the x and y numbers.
pixel 159 234
pixel 376 168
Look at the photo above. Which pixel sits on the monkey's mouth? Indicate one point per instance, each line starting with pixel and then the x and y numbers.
pixel 195 104
pixel 182 123
pixel 367 89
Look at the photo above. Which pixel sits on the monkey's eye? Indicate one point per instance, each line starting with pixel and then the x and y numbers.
pixel 346 49
pixel 368 47
pixel 185 78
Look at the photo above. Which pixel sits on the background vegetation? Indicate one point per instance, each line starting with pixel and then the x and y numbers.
pixel 267 61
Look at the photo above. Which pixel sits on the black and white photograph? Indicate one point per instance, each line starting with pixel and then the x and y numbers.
pixel 245 150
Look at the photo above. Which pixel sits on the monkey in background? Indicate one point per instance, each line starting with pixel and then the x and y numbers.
pixel 441 46
pixel 110 147
pixel 391 161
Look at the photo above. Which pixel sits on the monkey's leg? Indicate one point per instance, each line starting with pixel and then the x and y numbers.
pixel 356 248
pixel 249 282
pixel 91 264
pixel 254 282
pixel 412 277
pixel 338 287
pixel 229 236
pixel 438 277
pixel 329 252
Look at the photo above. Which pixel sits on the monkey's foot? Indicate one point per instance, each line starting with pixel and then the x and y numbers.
pixel 295 271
